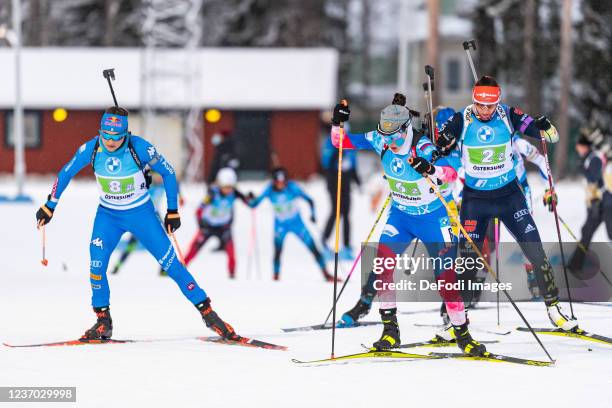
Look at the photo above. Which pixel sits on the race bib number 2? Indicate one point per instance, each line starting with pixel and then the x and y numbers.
pixel 487 155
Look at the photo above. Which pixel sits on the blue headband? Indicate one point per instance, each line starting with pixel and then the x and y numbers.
pixel 111 122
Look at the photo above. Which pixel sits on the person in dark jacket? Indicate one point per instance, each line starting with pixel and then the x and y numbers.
pixel 329 163
pixel 599 199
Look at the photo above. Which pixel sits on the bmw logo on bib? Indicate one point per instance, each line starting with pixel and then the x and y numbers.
pixel 113 165
pixel 485 134
pixel 397 166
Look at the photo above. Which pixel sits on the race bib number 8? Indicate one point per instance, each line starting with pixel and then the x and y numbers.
pixel 117 186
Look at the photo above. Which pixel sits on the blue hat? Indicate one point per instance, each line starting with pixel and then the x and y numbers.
pixel 443 115
pixel 112 122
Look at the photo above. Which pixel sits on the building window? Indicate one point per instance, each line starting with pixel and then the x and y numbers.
pixel 251 136
pixel 453 71
pixel 32 129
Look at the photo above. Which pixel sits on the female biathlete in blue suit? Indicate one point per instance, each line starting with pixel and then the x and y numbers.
pixel 283 194
pixel 416 212
pixel 119 162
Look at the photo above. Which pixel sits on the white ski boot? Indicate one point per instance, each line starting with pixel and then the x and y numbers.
pixel 559 319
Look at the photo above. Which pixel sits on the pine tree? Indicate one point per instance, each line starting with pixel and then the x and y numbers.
pixel 593 65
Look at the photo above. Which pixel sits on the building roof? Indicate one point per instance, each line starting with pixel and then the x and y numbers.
pixel 231 78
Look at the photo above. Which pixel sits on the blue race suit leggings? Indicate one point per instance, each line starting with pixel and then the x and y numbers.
pixel 144 224
pixel 513 212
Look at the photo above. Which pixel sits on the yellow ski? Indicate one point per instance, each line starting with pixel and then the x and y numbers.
pixel 372 354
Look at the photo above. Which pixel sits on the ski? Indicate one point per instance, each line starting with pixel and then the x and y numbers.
pixel 243 341
pixel 328 326
pixel 430 343
pixel 413 312
pixel 497 333
pixel 600 304
pixel 496 358
pixel 578 334
pixel 73 343
pixel 372 354
pixel 438 343
pixel 476 329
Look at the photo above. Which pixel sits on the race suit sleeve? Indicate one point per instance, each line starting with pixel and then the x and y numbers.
pixel 531 153
pixel 297 190
pixel 523 123
pixel 358 141
pixel 148 155
pixel 254 203
pixel 445 172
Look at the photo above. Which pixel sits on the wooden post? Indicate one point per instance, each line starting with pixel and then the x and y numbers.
pixel 433 52
pixel 531 87
pixel 565 77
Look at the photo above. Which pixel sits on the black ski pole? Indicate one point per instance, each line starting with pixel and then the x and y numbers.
pixel 554 206
pixel 497 235
pixel 110 74
pixel 466 46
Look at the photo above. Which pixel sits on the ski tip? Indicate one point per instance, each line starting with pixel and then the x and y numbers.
pixel 243 341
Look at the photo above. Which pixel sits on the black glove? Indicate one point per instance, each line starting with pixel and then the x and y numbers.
pixel 148 178
pixel 543 123
pixel 172 221
pixel 422 166
pixel 43 215
pixel 250 196
pixel 399 99
pixel 341 113
pixel 446 141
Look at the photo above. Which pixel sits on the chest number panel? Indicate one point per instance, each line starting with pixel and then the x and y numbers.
pixel 117 186
pixel 487 155
pixel 404 187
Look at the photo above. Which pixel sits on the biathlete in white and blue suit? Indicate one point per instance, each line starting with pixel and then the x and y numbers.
pixel 283 194
pixel 416 212
pixel 120 161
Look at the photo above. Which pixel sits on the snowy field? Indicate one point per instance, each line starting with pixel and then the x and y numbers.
pixel 40 304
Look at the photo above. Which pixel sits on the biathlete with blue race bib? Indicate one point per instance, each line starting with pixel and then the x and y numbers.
pixel 283 194
pixel 407 157
pixel 482 132
pixel 120 161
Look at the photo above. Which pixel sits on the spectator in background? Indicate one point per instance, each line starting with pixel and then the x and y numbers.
pixel 599 197
pixel 329 164
pixel 225 154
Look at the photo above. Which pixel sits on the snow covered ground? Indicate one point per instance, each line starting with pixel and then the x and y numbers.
pixel 39 304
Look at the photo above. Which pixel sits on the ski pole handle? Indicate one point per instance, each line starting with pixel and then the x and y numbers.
pixel 110 74
pixel 429 71
pixel 466 46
